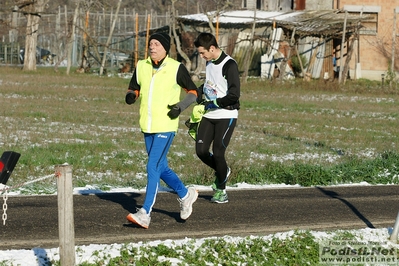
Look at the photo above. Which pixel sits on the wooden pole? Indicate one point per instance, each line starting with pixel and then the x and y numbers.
pixel 125 17
pixel 358 39
pixel 395 230
pixel 136 45
pixel 71 41
pixel 66 225
pixel 66 30
pixel 155 14
pixel 299 59
pixel 97 23
pixel 85 47
pixel 313 58
pixel 342 50
pixel 111 30
pixel 248 54
pixel 217 28
pixel 285 61
pixel 348 58
pixel 104 19
pixel 148 34
pixel 5 53
pixel 393 44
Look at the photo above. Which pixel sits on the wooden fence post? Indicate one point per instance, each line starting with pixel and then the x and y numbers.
pixel 66 224
pixel 395 11
pixel 5 54
pixel 341 53
pixel 395 230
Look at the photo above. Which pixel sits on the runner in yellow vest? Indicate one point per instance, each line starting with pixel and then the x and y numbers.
pixel 158 82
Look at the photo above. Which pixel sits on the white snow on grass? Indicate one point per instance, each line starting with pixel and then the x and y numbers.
pixel 86 253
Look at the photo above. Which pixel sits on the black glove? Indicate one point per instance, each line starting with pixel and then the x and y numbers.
pixel 130 97
pixel 199 95
pixel 235 106
pixel 210 105
pixel 174 111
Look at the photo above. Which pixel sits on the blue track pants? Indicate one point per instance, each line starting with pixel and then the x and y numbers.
pixel 157 146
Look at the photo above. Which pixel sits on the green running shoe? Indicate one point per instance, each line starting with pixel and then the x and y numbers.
pixel 214 186
pixel 220 197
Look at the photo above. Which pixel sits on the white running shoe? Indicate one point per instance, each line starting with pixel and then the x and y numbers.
pixel 140 218
pixel 186 205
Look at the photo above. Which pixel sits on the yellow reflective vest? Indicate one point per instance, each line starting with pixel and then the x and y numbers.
pixel 158 89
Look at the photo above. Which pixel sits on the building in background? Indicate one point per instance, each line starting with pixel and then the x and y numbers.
pixel 377 36
pixel 373 53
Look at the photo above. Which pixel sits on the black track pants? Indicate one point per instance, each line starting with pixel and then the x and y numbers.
pixel 219 132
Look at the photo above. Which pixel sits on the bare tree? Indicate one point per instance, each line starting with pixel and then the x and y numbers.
pixel 177 40
pixel 32 9
pixel 72 38
pixel 87 6
pixel 110 37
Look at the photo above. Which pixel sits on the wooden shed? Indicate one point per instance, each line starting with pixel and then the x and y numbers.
pixel 249 36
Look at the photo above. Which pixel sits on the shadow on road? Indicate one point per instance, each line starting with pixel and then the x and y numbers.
pixel 126 200
pixel 335 195
pixel 129 202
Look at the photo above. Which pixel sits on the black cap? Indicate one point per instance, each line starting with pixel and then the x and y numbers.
pixel 163 38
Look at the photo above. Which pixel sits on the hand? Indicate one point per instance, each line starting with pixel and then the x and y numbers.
pixel 199 95
pixel 210 105
pixel 235 106
pixel 130 97
pixel 174 111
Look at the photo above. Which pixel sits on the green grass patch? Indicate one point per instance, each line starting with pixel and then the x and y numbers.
pixel 296 133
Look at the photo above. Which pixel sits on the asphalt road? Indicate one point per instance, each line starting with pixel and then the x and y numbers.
pixel 32 221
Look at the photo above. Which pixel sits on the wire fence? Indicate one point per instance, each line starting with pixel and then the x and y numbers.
pixel 92 30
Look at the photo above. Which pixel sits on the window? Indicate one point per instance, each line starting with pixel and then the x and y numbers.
pixel 370 25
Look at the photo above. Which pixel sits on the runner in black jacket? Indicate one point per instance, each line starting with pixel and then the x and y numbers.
pixel 221 93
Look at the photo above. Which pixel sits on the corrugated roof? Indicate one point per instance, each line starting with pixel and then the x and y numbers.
pixel 306 22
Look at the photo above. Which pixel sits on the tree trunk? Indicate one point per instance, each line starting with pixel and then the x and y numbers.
pixel 72 39
pixel 85 63
pixel 348 59
pixel 177 40
pixel 32 12
pixel 109 37
pixel 31 43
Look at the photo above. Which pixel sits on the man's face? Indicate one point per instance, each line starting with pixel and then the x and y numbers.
pixel 205 54
pixel 157 52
